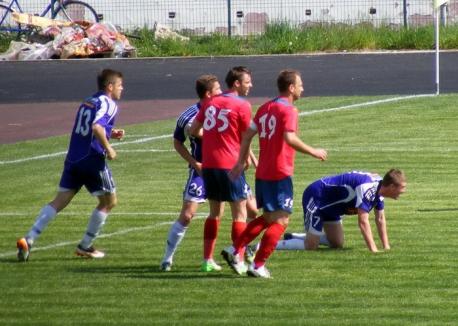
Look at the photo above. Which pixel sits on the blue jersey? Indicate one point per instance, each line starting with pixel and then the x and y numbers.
pixel 180 134
pixel 345 193
pixel 98 109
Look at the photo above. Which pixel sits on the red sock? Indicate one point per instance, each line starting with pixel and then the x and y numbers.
pixel 252 230
pixel 210 233
pixel 268 243
pixel 237 229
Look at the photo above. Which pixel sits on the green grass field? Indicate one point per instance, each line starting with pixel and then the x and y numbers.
pixel 415 283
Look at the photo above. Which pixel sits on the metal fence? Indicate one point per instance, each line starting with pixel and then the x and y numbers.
pixel 244 17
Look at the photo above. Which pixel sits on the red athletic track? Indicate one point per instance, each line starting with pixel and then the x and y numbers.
pixel 21 122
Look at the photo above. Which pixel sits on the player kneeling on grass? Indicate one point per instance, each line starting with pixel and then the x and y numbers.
pixel 327 199
pixel 85 165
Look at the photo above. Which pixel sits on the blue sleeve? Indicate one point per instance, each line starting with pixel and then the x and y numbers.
pixel 179 134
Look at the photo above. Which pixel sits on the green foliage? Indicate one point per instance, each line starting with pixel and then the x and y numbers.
pixel 412 284
pixel 282 38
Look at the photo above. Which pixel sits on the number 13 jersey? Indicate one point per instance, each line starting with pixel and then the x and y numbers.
pixel 98 109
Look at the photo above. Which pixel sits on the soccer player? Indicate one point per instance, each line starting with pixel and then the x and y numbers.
pixel 85 165
pixel 326 200
pixel 276 124
pixel 224 118
pixel 194 192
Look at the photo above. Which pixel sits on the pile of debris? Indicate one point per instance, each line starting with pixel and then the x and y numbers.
pixel 52 39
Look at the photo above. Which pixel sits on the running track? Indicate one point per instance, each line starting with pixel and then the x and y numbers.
pixel 38 99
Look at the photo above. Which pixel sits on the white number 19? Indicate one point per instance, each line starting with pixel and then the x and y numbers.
pixel 270 124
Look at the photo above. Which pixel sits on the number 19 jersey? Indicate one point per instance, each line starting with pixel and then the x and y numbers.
pixel 224 117
pixel 276 157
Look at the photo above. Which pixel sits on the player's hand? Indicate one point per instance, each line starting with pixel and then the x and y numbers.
pixel 247 164
pixel 198 167
pixel 320 154
pixel 117 133
pixel 111 153
pixel 236 171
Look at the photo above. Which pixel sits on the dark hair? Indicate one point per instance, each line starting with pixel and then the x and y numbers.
pixel 236 73
pixel 205 84
pixel 394 177
pixel 286 78
pixel 107 77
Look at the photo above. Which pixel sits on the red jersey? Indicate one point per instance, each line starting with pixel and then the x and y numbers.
pixel 224 117
pixel 276 157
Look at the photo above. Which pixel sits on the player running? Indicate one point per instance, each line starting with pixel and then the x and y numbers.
pixel 326 200
pixel 85 165
pixel 276 123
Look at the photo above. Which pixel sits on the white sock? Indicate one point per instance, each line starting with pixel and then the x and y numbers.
pixel 298 235
pixel 96 222
pixel 292 244
pixel 176 235
pixel 324 240
pixel 45 216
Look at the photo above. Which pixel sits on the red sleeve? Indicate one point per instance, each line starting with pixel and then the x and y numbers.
pixel 291 119
pixel 245 117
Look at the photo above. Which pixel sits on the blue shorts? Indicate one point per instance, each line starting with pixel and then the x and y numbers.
pixel 220 188
pixel 275 195
pixel 91 172
pixel 314 218
pixel 194 190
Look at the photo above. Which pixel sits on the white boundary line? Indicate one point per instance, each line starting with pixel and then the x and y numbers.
pixel 146 139
pixel 45 156
pixel 64 213
pixel 359 105
pixel 107 235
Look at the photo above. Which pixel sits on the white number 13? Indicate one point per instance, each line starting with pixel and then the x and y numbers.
pixel 82 127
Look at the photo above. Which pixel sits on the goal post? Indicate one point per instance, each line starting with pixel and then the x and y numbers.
pixel 437 8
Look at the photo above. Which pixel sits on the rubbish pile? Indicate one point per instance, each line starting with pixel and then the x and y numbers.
pixel 53 39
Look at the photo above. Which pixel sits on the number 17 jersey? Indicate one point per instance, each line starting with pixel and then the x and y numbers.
pixel 276 157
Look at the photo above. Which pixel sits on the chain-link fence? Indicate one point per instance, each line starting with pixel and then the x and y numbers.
pixel 244 17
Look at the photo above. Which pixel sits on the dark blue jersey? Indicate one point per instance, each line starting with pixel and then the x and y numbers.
pixel 99 109
pixel 184 121
pixel 345 193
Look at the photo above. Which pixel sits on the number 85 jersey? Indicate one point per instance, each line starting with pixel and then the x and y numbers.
pixel 276 157
pixel 224 118
pixel 98 109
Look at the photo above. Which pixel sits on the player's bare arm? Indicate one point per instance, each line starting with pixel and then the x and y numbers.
pixel 196 129
pixel 186 155
pixel 365 227
pixel 99 133
pixel 244 153
pixel 295 142
pixel 253 159
pixel 380 221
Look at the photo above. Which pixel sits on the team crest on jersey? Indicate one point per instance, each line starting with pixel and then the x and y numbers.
pixel 369 195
